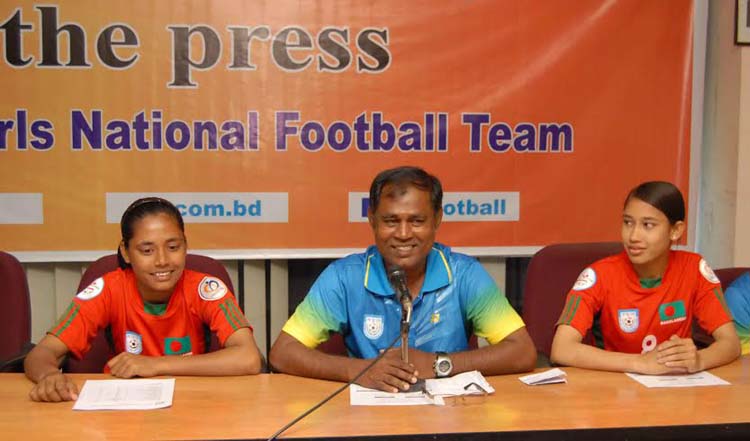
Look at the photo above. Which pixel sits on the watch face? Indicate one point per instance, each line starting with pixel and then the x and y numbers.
pixel 444 366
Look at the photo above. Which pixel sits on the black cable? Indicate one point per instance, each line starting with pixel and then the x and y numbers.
pixel 336 392
pixel 241 281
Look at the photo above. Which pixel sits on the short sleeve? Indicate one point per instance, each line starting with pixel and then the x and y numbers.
pixel 87 313
pixel 584 300
pixel 322 311
pixel 219 308
pixel 710 307
pixel 487 309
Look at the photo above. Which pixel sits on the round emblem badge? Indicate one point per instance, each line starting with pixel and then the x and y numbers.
pixel 92 290
pixel 707 272
pixel 586 280
pixel 212 288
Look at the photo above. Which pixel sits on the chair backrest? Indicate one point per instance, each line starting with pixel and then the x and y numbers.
pixel 100 351
pixel 15 314
pixel 727 275
pixel 551 273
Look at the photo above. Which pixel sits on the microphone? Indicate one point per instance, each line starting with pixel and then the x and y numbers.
pixel 397 277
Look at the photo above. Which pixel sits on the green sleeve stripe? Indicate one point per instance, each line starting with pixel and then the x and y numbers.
pixel 565 310
pixel 575 301
pixel 720 297
pixel 241 319
pixel 66 319
pixel 228 316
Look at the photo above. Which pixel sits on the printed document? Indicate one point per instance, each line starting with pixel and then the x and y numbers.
pixel 138 394
pixel 697 379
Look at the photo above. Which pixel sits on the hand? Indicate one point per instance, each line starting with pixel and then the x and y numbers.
pixel 126 365
pixel 390 374
pixel 679 353
pixel 422 361
pixel 54 387
pixel 648 363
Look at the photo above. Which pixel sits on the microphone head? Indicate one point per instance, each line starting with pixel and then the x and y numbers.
pixel 395 274
pixel 397 278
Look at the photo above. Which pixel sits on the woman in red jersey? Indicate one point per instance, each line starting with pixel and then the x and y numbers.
pixel 646 298
pixel 157 312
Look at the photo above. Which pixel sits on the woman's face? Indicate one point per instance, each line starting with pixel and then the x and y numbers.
pixel 647 234
pixel 157 253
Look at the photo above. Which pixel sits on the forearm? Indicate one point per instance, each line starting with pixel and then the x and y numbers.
pixel 515 353
pixel 498 359
pixel 590 357
pixel 290 356
pixel 235 360
pixel 297 359
pixel 720 352
pixel 41 362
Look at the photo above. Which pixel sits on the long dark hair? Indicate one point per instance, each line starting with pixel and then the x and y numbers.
pixel 138 210
pixel 664 196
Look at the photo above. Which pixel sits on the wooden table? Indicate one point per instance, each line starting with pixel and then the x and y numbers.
pixel 592 405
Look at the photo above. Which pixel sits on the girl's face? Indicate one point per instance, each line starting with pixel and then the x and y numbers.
pixel 157 253
pixel 647 236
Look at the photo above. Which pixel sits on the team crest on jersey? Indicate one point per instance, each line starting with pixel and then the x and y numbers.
pixel 133 343
pixel 211 288
pixel 628 320
pixel 92 290
pixel 586 280
pixel 707 272
pixel 373 326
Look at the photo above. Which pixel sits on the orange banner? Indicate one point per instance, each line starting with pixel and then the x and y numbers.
pixel 265 121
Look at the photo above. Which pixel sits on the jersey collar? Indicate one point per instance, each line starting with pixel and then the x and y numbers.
pixel 438 272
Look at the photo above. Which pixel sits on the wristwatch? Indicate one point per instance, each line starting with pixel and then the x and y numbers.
pixel 443 365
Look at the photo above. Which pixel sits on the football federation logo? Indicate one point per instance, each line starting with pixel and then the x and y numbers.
pixel 133 343
pixel 586 280
pixel 92 290
pixel 707 272
pixel 212 288
pixel 373 326
pixel 628 320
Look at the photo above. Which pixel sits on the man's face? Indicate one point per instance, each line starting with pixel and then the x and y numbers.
pixel 404 226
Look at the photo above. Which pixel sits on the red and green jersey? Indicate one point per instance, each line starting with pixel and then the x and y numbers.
pixel 198 302
pixel 635 319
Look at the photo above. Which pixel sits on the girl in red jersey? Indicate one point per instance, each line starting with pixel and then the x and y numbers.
pixel 156 309
pixel 646 298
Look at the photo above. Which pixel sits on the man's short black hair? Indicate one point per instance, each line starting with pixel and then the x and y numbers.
pixel 403 177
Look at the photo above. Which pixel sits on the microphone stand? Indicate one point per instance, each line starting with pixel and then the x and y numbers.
pixel 405 321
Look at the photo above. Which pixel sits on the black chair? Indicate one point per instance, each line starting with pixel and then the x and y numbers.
pixel 15 315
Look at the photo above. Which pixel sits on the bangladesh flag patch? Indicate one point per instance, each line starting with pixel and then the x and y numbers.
pixel 177 345
pixel 672 312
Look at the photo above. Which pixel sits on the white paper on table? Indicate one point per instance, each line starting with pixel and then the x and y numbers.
pixel 697 379
pixel 550 376
pixel 139 394
pixel 466 383
pixel 362 396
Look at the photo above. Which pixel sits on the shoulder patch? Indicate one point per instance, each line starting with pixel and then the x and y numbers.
pixel 585 280
pixel 212 288
pixel 92 290
pixel 707 272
